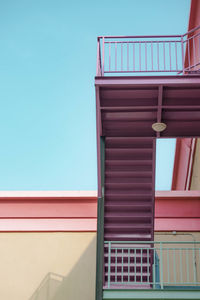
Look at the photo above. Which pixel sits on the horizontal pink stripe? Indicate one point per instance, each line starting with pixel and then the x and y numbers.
pixel 50 209
pixel 177 194
pixel 48 194
pixel 174 210
pixel 48 225
pixel 167 204
pixel 177 208
pixel 177 224
pixel 84 225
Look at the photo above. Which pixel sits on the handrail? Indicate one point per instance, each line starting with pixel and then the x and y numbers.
pixel 173 54
pixel 152 264
pixel 192 30
pixel 151 242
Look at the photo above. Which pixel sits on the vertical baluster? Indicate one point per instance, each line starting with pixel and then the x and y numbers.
pixel 154 268
pixel 170 59
pixel 176 56
pixel 98 67
pixel 194 52
pixel 187 266
pixel 141 254
pixel 109 261
pixel 122 274
pixel 128 265
pixel 181 269
pixel 158 56
pixel 146 56
pixel 133 56
pixel 109 57
pixel 168 270
pixel 199 50
pixel 194 266
pixel 182 50
pixel 103 57
pixel 164 55
pixel 199 261
pixel 116 265
pixel 148 266
pixel 127 56
pixel 161 265
pixel 140 55
pixel 121 56
pixel 188 44
pixel 174 265
pixel 198 265
pixel 115 56
pixel 152 55
pixel 135 254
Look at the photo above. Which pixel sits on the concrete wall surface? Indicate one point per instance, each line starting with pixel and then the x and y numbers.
pixel 46 266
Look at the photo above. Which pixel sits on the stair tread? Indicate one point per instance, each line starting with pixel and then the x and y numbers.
pixel 127 214
pixel 129 173
pixel 131 226
pixel 131 273
pixel 131 264
pixel 132 205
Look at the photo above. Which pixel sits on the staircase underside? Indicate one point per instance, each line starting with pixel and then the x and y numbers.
pixel 128 106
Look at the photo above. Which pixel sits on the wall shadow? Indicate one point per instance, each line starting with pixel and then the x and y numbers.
pixel 78 284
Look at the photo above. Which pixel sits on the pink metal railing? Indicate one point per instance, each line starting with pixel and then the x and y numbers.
pixel 142 54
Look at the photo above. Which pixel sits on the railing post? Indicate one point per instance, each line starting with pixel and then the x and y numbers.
pixel 154 268
pixel 98 57
pixel 182 50
pixel 161 265
pixel 103 55
pixel 109 261
pixel 100 229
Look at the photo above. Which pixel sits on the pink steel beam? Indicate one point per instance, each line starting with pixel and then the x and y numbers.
pixel 53 211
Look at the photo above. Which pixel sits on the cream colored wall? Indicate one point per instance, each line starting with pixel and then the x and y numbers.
pixel 195 181
pixel 175 255
pixel 26 258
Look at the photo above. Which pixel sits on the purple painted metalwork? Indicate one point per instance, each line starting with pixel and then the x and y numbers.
pixel 127 107
pixel 156 54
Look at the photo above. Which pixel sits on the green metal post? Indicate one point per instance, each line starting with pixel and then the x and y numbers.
pixel 100 230
pixel 154 267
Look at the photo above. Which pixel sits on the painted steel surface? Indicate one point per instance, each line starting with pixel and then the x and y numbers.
pixel 174 264
pixel 149 54
pixel 127 108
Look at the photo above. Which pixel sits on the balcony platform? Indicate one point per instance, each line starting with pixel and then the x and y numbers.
pixel 133 81
pixel 166 294
pixel 128 106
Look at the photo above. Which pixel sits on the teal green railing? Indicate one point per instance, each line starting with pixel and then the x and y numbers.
pixel 152 264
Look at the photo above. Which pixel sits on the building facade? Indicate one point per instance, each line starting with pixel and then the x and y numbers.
pixel 145 244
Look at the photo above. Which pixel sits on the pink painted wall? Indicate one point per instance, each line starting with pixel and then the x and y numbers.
pixel 174 210
pixel 194 21
pixel 182 163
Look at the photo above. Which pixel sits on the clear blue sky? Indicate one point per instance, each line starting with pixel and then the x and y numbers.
pixel 47 69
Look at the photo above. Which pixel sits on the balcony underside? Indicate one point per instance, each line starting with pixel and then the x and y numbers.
pixel 152 294
pixel 128 106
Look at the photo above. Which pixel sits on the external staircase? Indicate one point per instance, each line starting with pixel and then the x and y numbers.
pixel 126 108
